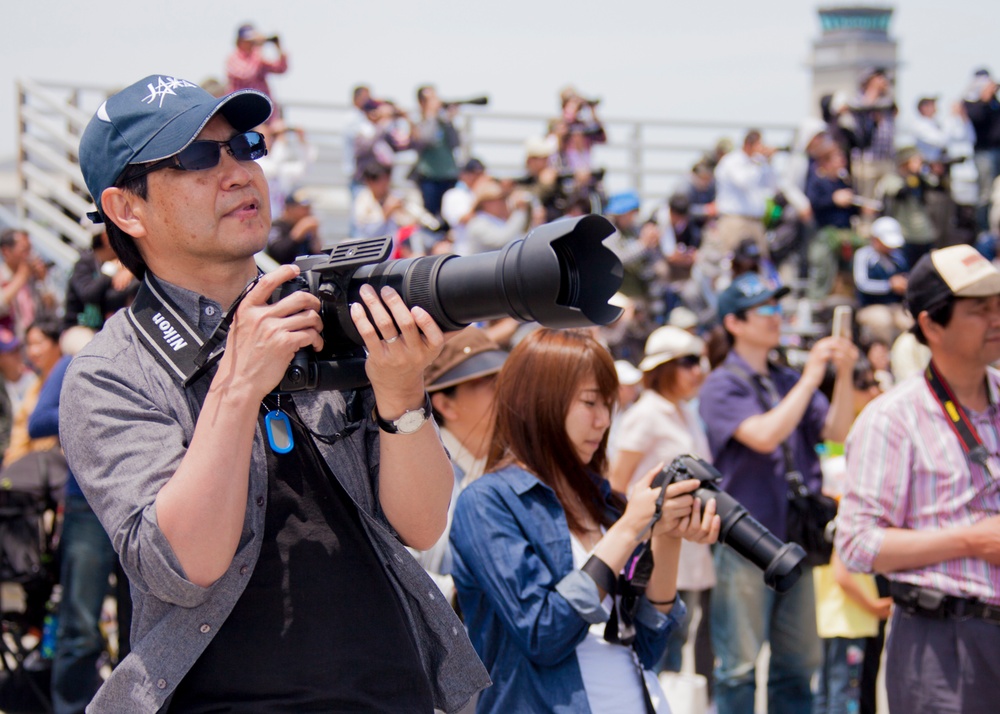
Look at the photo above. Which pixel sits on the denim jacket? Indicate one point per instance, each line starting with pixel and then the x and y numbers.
pixel 525 605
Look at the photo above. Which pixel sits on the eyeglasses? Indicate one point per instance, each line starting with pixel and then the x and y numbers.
pixel 206 153
pixel 688 361
pixel 768 310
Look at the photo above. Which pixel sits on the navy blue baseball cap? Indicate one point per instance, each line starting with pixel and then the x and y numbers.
pixel 154 119
pixel 747 291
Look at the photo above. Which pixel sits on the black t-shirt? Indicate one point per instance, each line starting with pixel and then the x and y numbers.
pixel 319 626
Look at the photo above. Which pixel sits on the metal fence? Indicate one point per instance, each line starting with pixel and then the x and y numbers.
pixel 648 155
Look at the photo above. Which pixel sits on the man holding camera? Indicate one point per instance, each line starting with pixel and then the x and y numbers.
pixel 746 439
pixel 247 67
pixel 435 139
pixel 263 534
pixel 921 502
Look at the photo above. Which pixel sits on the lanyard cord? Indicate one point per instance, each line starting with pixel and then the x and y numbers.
pixel 957 418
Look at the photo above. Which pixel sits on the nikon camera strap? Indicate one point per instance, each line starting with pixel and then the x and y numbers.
pixel 964 429
pixel 163 329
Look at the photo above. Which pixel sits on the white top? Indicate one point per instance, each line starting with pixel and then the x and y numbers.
pixel 609 671
pixel 933 136
pixel 743 184
pixel 661 431
pixel 456 204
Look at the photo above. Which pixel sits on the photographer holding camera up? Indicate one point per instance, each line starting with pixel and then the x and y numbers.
pixel 263 535
pixel 752 445
pixel 248 66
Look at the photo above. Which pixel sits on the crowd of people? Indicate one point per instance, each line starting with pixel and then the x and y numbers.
pixel 493 494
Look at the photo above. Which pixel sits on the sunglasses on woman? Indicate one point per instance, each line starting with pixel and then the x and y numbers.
pixel 688 361
pixel 206 153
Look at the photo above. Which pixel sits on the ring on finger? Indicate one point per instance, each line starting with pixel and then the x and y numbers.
pixel 391 340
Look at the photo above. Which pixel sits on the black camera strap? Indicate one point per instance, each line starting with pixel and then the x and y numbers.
pixel 180 350
pixel 170 338
pixel 164 330
pixel 964 429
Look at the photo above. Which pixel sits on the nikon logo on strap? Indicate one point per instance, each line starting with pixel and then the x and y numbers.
pixel 170 335
pixel 165 332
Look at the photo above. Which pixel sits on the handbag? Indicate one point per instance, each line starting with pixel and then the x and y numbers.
pixel 810 521
pixel 810 517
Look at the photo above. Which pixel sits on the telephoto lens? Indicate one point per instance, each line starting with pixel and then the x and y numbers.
pixel 560 275
pixel 781 562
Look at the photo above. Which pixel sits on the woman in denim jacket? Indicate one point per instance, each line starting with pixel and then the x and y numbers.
pixel 540 543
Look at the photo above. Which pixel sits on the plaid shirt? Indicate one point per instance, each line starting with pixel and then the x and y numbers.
pixel 907 469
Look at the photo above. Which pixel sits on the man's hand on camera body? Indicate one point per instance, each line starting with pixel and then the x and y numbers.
pixel 264 337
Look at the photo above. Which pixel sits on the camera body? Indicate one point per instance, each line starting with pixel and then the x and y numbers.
pixel 559 275
pixel 781 562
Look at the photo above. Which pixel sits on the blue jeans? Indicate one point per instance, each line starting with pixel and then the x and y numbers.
pixel 840 678
pixel 432 191
pixel 87 561
pixel 745 614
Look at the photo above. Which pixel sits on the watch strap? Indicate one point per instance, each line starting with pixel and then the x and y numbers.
pixel 390 427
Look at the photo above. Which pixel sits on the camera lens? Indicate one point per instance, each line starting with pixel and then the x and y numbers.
pixel 781 562
pixel 560 275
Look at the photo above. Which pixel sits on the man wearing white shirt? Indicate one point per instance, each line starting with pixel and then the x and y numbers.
pixel 744 182
pixel 932 136
pixel 458 203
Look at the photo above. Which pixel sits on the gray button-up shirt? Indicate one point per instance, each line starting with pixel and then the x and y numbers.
pixel 125 424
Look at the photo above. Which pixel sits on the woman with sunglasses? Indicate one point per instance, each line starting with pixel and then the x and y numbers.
pixel 540 541
pixel 659 427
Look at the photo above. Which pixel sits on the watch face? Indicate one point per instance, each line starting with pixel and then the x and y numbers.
pixel 411 421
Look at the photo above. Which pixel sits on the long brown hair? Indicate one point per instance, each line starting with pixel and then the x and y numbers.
pixel 535 390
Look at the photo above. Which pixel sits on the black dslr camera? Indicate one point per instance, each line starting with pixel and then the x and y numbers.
pixel 781 562
pixel 560 275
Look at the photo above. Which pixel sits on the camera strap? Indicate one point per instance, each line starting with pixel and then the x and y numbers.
pixel 170 338
pixel 767 395
pixel 964 429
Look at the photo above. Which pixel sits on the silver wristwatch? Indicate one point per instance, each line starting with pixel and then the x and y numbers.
pixel 410 422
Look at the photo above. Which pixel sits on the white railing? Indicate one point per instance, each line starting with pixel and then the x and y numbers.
pixel 647 155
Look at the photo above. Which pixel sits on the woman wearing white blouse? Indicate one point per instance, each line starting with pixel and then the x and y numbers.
pixel 660 426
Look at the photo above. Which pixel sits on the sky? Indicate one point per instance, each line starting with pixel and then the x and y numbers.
pixel 709 60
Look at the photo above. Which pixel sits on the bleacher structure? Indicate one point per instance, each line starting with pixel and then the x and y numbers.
pixel 649 156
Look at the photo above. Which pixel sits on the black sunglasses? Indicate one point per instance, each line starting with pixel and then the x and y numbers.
pixel 688 361
pixel 206 153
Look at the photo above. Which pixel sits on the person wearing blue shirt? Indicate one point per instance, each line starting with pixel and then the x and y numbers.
pixel 87 559
pixel 539 542
pixel 880 280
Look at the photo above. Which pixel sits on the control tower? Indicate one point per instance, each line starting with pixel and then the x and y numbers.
pixel 853 38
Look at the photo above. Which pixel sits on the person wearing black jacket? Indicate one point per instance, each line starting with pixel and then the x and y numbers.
pixel 983 108
pixel 94 294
